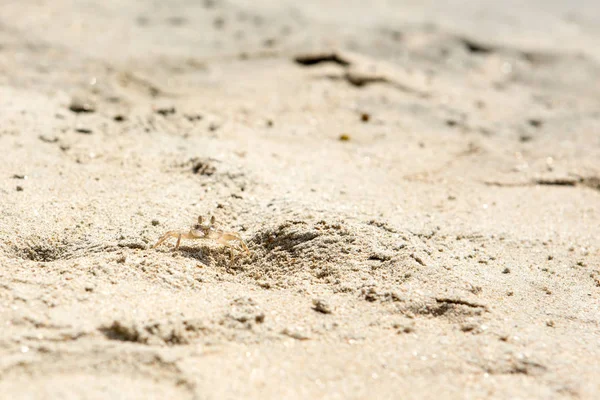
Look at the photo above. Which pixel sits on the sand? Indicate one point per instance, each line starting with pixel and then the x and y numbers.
pixel 418 184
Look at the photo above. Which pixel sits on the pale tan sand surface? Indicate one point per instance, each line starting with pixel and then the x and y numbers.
pixel 418 184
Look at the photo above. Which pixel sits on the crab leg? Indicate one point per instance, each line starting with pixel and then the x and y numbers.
pixel 227 237
pixel 178 234
pixel 244 246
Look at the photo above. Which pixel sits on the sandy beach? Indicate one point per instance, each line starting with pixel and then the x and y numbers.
pixel 418 185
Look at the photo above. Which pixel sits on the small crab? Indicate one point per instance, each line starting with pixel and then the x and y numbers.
pixel 204 231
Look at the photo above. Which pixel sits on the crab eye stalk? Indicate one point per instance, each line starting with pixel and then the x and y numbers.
pixel 212 220
pixel 200 220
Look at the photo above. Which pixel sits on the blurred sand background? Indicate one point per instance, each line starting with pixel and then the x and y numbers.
pixel 418 183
